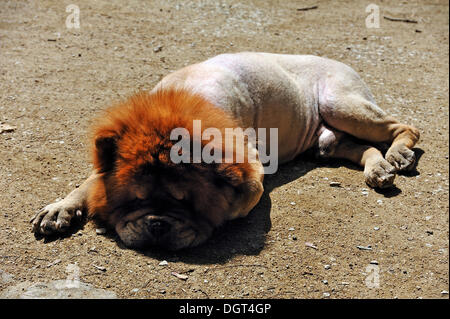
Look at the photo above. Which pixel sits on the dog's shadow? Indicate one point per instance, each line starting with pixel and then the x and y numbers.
pixel 247 236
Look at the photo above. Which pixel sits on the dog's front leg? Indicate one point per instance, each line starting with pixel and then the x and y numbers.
pixel 57 217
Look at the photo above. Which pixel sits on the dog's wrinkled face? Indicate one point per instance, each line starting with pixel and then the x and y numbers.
pixel 148 199
pixel 153 207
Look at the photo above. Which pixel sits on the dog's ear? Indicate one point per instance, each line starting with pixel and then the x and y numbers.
pixel 247 182
pixel 233 173
pixel 105 150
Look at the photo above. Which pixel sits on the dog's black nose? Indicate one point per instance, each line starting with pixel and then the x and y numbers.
pixel 158 228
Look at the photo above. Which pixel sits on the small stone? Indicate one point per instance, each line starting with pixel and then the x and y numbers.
pixel 163 263
pixel 291 229
pixel 101 268
pixel 157 49
pixel 379 202
pixel 100 231
pixel 310 245
pixel 327 267
pixel 294 237
pixel 374 262
pixel 364 247
pixel 444 292
pixel 57 261
pixel 335 184
pixel 376 228
pixel 179 276
pixel 429 232
pixel 325 282
pixel 6 128
pixel 428 217
pixel 326 294
pixel 135 290
pixel 292 203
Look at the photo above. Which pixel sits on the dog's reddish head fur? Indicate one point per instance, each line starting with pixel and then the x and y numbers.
pixel 131 153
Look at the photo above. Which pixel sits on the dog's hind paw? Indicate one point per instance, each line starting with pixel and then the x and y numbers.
pixel 379 174
pixel 401 157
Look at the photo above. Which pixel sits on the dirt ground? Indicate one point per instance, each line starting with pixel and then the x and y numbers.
pixel 54 80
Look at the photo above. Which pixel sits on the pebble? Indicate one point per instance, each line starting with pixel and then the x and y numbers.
pixel 101 268
pixel 364 248
pixel 327 267
pixel 6 128
pixel 310 245
pixel 325 282
pixel 163 263
pixel 100 231
pixel 157 49
pixel 292 203
pixel 379 202
pixel 444 292
pixel 57 261
pixel 291 229
pixel 326 294
pixel 374 262
pixel 335 184
pixel 376 228
pixel 179 276
pixel 135 290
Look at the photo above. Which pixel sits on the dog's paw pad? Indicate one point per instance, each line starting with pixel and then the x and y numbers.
pixel 380 174
pixel 401 157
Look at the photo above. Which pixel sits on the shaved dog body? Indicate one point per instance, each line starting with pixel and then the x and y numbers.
pixel 149 200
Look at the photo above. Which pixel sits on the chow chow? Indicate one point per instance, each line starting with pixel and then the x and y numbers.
pixel 150 199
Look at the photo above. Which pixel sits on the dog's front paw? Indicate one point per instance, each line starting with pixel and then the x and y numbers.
pixel 56 217
pixel 401 157
pixel 379 174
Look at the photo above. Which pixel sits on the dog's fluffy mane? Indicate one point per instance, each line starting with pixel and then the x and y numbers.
pixel 136 134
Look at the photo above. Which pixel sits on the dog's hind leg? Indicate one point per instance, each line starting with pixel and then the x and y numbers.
pixel 358 116
pixel 335 144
